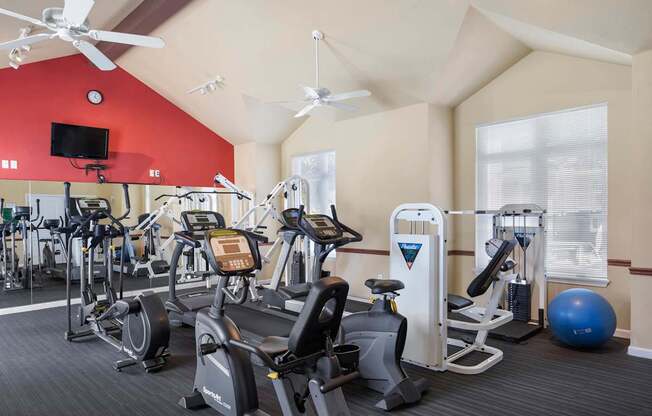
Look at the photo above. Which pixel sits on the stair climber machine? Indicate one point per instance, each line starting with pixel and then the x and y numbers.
pixel 182 308
pixel 137 327
pixel 303 366
pixel 379 331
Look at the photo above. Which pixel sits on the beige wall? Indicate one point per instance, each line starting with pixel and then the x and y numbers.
pixel 641 197
pixel 258 170
pixel 544 82
pixel 382 160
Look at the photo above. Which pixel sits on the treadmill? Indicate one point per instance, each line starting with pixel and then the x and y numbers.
pixel 182 308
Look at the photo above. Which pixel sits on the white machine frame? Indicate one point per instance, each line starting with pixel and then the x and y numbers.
pixel 296 192
pixel 428 315
pixel 165 210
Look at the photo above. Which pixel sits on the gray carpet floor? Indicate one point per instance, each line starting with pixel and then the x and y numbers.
pixel 42 374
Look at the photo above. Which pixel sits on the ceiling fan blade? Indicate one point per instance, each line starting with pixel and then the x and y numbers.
pixel 22 17
pixel 75 12
pixel 305 110
pixel 347 95
pixel 94 55
pixel 28 40
pixel 127 38
pixel 342 106
pixel 310 92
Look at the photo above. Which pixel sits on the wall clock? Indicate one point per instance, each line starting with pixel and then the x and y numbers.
pixel 94 97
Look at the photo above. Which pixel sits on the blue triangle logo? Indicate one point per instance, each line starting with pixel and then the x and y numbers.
pixel 410 252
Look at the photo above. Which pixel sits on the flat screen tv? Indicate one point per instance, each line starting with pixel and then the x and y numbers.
pixel 79 142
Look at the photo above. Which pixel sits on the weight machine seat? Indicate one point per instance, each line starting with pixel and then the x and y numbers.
pixel 274 346
pixel 380 286
pixel 456 302
pixel 485 279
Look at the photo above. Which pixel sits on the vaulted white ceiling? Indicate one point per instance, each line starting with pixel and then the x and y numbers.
pixel 405 52
pixel 105 14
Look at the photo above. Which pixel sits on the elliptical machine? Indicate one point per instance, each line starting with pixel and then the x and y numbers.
pixel 302 366
pixel 19 271
pixel 138 327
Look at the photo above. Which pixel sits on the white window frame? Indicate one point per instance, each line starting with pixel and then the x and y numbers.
pixel 574 280
pixel 312 187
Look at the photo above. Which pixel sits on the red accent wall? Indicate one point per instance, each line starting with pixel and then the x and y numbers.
pixel 146 130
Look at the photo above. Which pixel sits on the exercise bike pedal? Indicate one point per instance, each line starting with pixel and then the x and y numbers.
pixel 192 402
pixel 208 348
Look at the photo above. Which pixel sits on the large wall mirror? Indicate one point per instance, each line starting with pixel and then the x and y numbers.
pixel 36 236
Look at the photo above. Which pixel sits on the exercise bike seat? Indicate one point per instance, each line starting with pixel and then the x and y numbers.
pixel 274 346
pixel 380 286
pixel 456 302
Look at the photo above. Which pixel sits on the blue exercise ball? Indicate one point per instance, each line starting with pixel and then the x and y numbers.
pixel 581 318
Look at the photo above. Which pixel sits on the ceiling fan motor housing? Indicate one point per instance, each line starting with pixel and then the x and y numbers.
pixel 53 18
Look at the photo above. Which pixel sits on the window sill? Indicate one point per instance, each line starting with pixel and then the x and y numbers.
pixel 579 281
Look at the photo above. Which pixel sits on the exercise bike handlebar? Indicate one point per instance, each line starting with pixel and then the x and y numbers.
pixel 269 362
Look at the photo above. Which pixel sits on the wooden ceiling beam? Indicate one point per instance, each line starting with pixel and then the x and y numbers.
pixel 145 18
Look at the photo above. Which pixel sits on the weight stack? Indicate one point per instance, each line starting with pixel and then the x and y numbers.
pixel 519 300
pixel 297 269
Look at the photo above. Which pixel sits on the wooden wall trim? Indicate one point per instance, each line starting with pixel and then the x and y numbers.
pixel 386 252
pixel 364 251
pixel 469 253
pixel 619 262
pixel 640 271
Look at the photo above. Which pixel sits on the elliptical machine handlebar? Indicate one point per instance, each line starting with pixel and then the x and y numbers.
pixel 357 237
pixel 38 211
pixel 66 200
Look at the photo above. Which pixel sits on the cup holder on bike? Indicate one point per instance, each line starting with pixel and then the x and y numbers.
pixel 348 355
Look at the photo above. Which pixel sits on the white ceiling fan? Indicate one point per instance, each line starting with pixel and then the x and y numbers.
pixel 320 96
pixel 70 23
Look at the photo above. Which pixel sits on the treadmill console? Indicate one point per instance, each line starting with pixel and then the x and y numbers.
pixel 320 227
pixel 197 222
pixel 89 206
pixel 230 252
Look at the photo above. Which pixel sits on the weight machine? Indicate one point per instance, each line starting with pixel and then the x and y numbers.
pixel 295 192
pixel 418 256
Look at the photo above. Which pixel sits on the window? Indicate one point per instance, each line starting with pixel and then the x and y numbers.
pixel 558 161
pixel 319 170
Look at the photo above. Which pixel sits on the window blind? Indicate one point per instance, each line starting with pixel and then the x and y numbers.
pixel 558 161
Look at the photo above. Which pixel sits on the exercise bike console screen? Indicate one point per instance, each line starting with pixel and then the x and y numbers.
pixel 230 252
